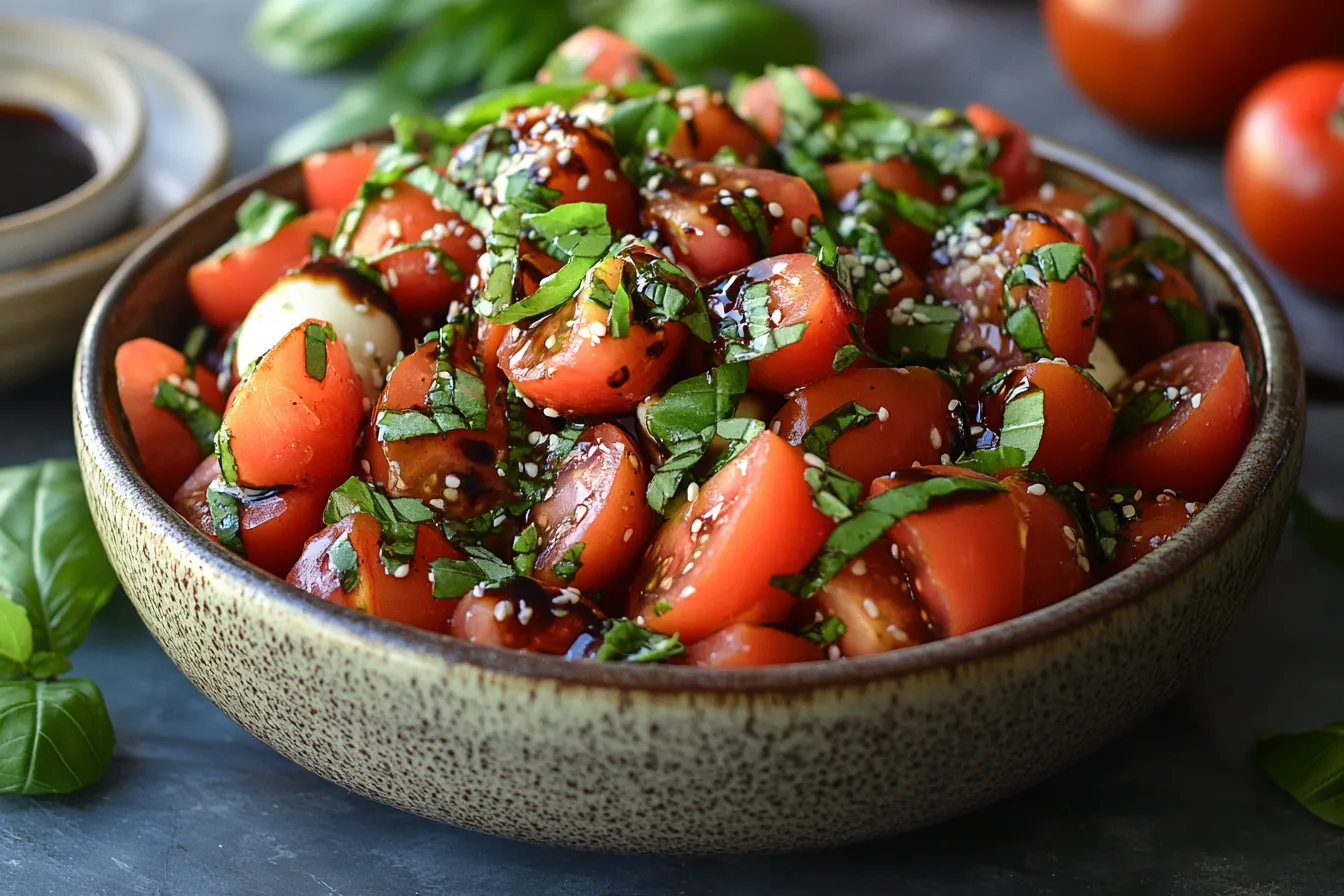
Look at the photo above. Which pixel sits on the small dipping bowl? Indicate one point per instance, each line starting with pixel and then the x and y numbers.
pixel 92 94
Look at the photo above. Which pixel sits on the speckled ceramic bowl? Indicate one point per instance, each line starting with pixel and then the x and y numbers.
pixel 652 759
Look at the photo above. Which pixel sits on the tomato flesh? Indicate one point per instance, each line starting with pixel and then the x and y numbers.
pixel 710 125
pixel 525 615
pixel 1153 521
pixel 596 54
pixel 1059 561
pixel 743 645
pixel 873 598
pixel 332 179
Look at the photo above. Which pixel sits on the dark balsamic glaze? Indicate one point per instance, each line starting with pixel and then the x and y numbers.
pixel 41 158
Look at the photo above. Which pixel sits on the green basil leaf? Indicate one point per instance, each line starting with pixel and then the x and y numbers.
pixel 921 332
pixel 260 217
pixel 454 578
pixel 57 736
pixel 1192 323
pixel 874 517
pixel 51 561
pixel 525 546
pixel 226 512
pixel 48 664
pixel 551 293
pixel 345 560
pixel 487 107
pixel 618 318
pixel 761 336
pixel 827 631
pixel 696 36
pixel 1140 411
pixel 845 356
pixel 641 124
pixel 798 163
pixel 1324 531
pixel 194 346
pixel 228 464
pixel 1164 248
pixel 1309 765
pixel 626 642
pixel 1053 262
pixel 201 419
pixel 16 636
pixel 572 230
pixel 450 196
pixel 668 478
pixel 992 461
pixel 568 566
pixel 688 407
pixel 315 338
pixel 738 432
pixel 1025 328
pixel 821 434
pixel 1099 207
pixel 1024 424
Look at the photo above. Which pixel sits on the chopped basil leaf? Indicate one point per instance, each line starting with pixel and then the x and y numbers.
pixel 1325 532
pixel 661 606
pixel 226 512
pixel 454 578
pixel 667 479
pixel 749 213
pixel 572 230
pixel 726 155
pixel 1024 424
pixel 821 434
pixel 738 433
pixel 1309 766
pixel 992 461
pixel 199 418
pixel 921 332
pixel 525 545
pixel 688 407
pixel 834 493
pixel 1141 411
pixel 568 566
pixel 551 293
pixel 666 291
pixel 800 164
pixel 228 464
pixel 1025 328
pixel 487 106
pixel 194 346
pixel 399 519
pixel 845 356
pixel 456 400
pixel 1052 262
pixel 641 124
pixel 626 642
pixel 919 212
pixel 259 218
pixel 827 631
pixel 872 518
pixel 1192 323
pixel 391 165
pixel 345 561
pixel 1099 207
pixel 315 338
pixel 1164 248
pixel 449 195
pixel 761 336
pixel 618 315
pixel 821 243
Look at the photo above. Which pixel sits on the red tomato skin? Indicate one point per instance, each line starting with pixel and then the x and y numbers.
pixel 419 467
pixel 597 54
pixel 801 292
pixel 709 124
pixel 965 583
pixel 909 243
pixel 1140 328
pixel 538 618
pixel 1126 56
pixel 273 529
pixel 1194 449
pixel 1017 166
pixel 168 451
pixel 873 597
pixel 288 428
pixel 1158 518
pixel 1078 417
pixel 1059 563
pixel 742 645
pixel 332 179
pixel 752 520
pixel 921 424
pixel 1114 231
pixel 759 99
pixel 690 218
pixel 225 289
pixel 406 599
pixel 1285 171
pixel 417 283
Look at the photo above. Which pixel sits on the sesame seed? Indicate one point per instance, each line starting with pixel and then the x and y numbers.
pixel 775 209
pixel 724 230
pixel 450 494
pixel 452 481
pixel 1191 507
pixel 687 591
pixel 530 469
pixel 833 652
pixel 629 533
pixel 883 414
pixel 610 175
pixel 1129 511
pixel 550 412
pixel 1196 399
pixel 402 571
pixel 799 227
pixel 813 461
pixel 707 179
pixel 437 503
pixel 859 567
pixel 524 614
pixel 935 438
pixel 583 182
pixel 774 427
pixel 503 610
pixel 953 404
pixel 692 492
pixel 1036 488
pixel 870 607
pixel 475 242
pixel 580 512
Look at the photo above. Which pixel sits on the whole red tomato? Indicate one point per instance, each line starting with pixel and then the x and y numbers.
pixel 1285 171
pixel 1179 67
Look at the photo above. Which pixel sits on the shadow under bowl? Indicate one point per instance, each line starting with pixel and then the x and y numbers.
pixel 667 759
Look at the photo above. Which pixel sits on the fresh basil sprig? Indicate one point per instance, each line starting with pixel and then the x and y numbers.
pixel 55 734
pixel 1309 765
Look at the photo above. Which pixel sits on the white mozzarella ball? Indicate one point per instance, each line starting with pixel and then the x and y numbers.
pixel 358 311
pixel 1106 367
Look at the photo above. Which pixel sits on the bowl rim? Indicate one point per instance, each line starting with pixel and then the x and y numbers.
pixel 1268 450
pixel 114 80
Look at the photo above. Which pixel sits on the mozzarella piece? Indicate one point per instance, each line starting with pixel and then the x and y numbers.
pixel 1106 367
pixel 356 309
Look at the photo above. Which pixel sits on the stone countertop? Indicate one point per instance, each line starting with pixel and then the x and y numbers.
pixel 193 805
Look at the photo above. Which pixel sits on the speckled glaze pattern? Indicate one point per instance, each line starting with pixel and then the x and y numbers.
pixel 672 759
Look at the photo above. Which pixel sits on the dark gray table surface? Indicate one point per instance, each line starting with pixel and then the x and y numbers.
pixel 193 805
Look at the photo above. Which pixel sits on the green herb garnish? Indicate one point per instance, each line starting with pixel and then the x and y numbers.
pixel 201 419
pixel 626 642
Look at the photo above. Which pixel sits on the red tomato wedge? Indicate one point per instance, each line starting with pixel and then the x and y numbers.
pixel 759 100
pixel 711 564
pixel 1017 164
pixel 225 289
pixel 273 526
pixel 710 125
pixel 799 292
pixel 168 450
pixel 525 615
pixel 965 555
pixel 909 243
pixel 286 426
pixel 693 217
pixel 742 645
pixel 1059 562
pixel 874 600
pixel 1147 523
pixel 596 54
pixel 416 280
pixel 401 596
pixel 916 422
pixel 453 469
pixel 1077 417
pixel 1152 307
pixel 1198 400
pixel 1112 233
pixel 598 501
pixel 332 179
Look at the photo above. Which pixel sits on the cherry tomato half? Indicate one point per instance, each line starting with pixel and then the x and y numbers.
pixel 759 100
pixel 1148 522
pixel 596 54
pixel 1059 561
pixel 874 599
pixel 743 645
pixel 524 614
pixel 332 179
pixel 1017 164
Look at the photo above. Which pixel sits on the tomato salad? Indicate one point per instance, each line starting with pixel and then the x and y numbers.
pixel 612 368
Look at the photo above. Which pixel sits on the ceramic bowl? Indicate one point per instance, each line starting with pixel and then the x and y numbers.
pixel 44 67
pixel 186 149
pixel 667 759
